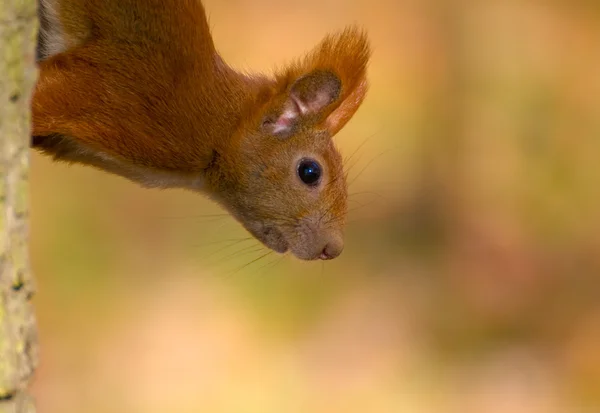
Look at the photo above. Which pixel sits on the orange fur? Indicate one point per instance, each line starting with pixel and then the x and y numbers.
pixel 137 88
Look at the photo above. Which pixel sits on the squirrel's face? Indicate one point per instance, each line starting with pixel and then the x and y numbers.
pixel 291 193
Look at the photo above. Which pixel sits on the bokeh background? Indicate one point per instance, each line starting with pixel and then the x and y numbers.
pixel 471 276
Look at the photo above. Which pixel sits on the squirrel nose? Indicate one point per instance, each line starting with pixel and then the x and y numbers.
pixel 331 250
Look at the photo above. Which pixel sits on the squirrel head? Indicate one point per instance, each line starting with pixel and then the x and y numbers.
pixel 283 177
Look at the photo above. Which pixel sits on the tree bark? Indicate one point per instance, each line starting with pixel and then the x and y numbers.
pixel 18 334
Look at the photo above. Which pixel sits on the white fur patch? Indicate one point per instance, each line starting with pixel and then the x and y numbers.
pixel 71 151
pixel 148 178
pixel 52 34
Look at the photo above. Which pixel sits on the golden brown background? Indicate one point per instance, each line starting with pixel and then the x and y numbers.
pixel 471 276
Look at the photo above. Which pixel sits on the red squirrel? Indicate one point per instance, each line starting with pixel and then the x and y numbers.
pixel 137 88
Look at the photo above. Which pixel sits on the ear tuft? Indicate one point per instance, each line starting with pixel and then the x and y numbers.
pixel 325 88
pixel 307 99
pixel 330 83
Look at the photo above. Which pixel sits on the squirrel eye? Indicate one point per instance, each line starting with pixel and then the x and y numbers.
pixel 309 171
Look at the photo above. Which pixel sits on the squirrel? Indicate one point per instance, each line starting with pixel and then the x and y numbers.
pixel 138 89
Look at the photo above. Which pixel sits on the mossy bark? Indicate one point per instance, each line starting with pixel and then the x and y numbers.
pixel 18 336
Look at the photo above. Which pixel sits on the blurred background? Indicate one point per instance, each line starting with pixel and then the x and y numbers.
pixel 470 281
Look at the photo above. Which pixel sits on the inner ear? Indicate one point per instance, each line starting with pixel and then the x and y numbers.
pixel 314 92
pixel 309 97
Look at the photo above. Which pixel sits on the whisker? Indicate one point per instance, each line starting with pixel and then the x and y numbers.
pixel 361 206
pixel 367 165
pixel 231 254
pixel 363 143
pixel 283 257
pixel 181 217
pixel 230 240
pixel 354 201
pixel 328 210
pixel 250 263
pixel 356 220
pixel 366 193
pixel 272 264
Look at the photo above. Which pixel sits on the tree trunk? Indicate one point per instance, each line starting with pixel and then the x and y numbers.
pixel 18 335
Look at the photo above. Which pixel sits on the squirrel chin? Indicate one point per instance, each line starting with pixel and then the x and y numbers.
pixel 272 238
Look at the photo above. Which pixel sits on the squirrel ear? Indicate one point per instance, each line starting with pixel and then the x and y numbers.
pixel 314 92
pixel 308 98
pixel 327 86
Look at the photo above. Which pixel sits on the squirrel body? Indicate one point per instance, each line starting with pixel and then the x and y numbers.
pixel 137 88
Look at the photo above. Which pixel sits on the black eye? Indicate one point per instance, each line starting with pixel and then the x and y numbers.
pixel 309 171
